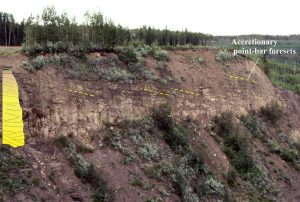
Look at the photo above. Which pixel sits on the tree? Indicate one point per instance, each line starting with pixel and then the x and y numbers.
pixel 49 18
pixel 11 33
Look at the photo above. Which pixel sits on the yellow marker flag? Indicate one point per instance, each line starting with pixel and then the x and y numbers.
pixel 12 122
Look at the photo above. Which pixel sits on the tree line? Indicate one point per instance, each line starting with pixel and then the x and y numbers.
pixel 293 37
pixel 150 35
pixel 95 30
pixel 11 32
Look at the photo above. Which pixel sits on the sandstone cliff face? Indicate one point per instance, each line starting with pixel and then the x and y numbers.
pixel 51 109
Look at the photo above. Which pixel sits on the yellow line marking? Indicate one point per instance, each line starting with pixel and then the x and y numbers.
pixel 240 78
pixel 82 93
pixel 156 92
pixel 185 91
pixel 168 94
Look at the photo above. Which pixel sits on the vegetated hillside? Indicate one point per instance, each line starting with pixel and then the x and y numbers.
pixel 144 124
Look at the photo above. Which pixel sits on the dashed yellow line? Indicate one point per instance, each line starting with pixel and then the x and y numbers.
pixel 81 93
pixel 185 91
pixel 241 78
pixel 145 89
pixel 168 94
pixel 156 92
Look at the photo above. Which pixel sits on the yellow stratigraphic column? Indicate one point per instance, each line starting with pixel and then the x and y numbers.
pixel 12 122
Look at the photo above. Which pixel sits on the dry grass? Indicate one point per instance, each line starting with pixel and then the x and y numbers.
pixel 10 50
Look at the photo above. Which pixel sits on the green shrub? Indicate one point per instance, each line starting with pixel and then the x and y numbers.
pixel 58 47
pixel 162 117
pixel 272 111
pixel 161 55
pixel 297 145
pixel 12 180
pixel 288 155
pixel 55 59
pixel 33 50
pixel 255 127
pixel 61 47
pixel 137 68
pixel 273 147
pixel 176 138
pixel 78 52
pixel 62 59
pixel 136 181
pixel 149 151
pixel 143 49
pixel 237 149
pixel 154 199
pixel 38 62
pixel 182 177
pixel 297 164
pixel 128 55
pixel 242 160
pixel 136 52
pixel 116 74
pixel 85 148
pixel 158 170
pixel 10 161
pixel 259 198
pixel 128 157
pixel 195 160
pixel 211 187
pixel 231 177
pixel 148 75
pixel 187 193
pixel 259 179
pixel 62 141
pixel 140 70
pixel 223 124
pixel 101 192
pixel 224 56
pixel 27 66
pixel 195 60
pixel 236 145
pixel 200 60
pixel 138 131
pixel 161 65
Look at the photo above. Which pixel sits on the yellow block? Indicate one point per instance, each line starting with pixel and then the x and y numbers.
pixel 12 122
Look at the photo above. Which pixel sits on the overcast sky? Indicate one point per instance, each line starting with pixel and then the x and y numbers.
pixel 217 17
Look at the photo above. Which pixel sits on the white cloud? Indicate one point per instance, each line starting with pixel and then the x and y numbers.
pixel 218 17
